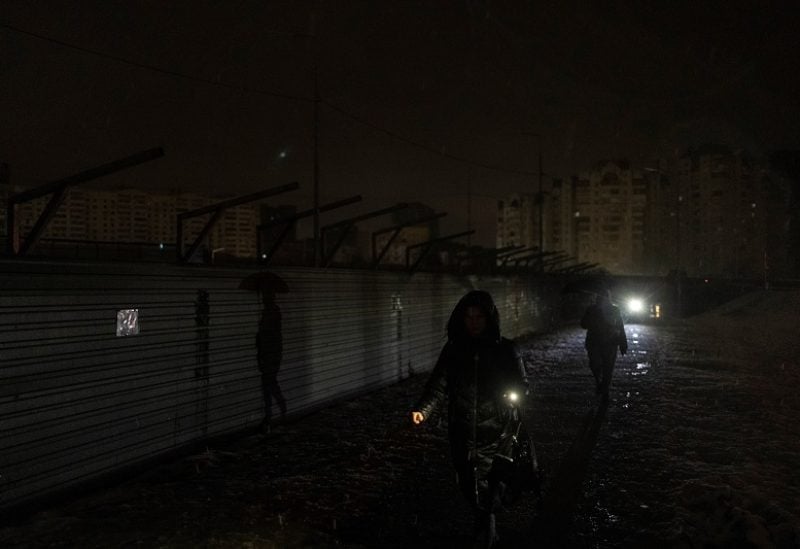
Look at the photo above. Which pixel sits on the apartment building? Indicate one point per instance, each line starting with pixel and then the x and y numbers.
pixel 137 218
pixel 408 236
pixel 598 217
pixel 709 212
pixel 734 214
pixel 560 217
pixel 517 221
pixel 610 207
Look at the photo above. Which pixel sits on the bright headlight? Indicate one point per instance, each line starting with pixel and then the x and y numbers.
pixel 635 305
pixel 512 396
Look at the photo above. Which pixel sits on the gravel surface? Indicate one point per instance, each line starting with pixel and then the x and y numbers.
pixel 697 447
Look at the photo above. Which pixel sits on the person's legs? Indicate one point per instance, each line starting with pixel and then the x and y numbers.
pixel 490 489
pixel 609 357
pixel 596 366
pixel 266 423
pixel 486 537
pixel 270 386
pixel 495 475
pixel 465 473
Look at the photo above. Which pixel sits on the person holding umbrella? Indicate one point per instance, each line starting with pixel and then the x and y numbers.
pixel 269 341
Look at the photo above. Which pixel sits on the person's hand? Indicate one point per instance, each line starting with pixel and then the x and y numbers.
pixel 417 417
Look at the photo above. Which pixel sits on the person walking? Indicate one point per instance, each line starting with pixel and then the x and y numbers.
pixel 605 333
pixel 269 349
pixel 483 379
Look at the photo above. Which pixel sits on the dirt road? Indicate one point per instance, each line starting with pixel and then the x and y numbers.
pixel 698 445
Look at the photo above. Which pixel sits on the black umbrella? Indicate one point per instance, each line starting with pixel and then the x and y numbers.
pixel 264 281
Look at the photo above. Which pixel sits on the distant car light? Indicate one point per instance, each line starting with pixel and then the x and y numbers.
pixel 635 305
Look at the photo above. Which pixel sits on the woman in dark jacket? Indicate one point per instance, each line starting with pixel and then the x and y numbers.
pixel 483 379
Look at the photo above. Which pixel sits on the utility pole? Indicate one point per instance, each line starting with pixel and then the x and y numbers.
pixel 317 243
pixel 678 251
pixel 317 252
pixel 540 199
pixel 469 212
pixel 539 195
pixel 679 203
pixel 7 209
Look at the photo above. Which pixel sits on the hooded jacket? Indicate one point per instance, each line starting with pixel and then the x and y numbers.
pixel 475 375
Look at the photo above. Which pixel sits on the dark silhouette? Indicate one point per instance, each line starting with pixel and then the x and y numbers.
pixel 202 312
pixel 269 345
pixel 202 321
pixel 483 379
pixel 269 339
pixel 560 501
pixel 605 333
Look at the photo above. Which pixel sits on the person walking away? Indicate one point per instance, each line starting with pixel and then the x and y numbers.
pixel 483 379
pixel 605 333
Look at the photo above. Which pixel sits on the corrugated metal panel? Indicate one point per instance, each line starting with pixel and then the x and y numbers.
pixel 76 401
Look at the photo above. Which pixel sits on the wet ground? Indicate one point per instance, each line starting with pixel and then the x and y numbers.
pixel 697 447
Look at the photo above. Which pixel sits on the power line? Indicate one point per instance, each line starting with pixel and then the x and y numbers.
pixel 225 85
pixel 155 68
pixel 423 146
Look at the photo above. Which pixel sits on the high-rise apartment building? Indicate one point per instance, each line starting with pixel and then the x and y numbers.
pixel 560 210
pixel 517 221
pixel 236 231
pixel 598 217
pixel 609 210
pixel 710 212
pixel 132 217
pixel 733 214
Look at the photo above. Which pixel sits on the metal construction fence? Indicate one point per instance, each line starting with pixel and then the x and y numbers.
pixel 106 365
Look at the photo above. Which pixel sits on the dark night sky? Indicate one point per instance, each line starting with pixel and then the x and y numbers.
pixel 401 83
